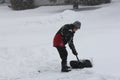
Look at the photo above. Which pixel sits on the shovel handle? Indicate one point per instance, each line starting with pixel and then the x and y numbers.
pixel 77 58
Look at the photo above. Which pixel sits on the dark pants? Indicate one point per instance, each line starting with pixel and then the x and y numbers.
pixel 63 55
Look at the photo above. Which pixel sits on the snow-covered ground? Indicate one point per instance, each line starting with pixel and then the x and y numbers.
pixel 26 42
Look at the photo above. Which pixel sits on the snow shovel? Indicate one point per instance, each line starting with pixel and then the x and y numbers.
pixel 80 64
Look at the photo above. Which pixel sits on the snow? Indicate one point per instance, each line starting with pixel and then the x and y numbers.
pixel 26 42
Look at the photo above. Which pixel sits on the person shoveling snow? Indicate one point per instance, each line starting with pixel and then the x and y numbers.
pixel 63 36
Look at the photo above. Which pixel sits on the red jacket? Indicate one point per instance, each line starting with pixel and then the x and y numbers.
pixel 58 41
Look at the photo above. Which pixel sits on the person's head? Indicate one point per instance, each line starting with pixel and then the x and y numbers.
pixel 77 25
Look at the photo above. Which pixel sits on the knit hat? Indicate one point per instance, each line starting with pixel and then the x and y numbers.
pixel 77 24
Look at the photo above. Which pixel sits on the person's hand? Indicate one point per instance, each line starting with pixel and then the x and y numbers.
pixel 75 53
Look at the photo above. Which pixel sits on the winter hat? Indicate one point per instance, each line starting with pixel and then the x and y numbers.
pixel 77 24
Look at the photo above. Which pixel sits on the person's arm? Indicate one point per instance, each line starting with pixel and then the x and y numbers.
pixel 72 47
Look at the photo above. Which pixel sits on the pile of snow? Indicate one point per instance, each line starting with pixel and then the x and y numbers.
pixel 26 43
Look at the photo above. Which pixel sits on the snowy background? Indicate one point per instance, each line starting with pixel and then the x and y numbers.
pixel 26 42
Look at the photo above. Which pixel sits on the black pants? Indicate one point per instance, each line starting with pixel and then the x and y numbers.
pixel 63 55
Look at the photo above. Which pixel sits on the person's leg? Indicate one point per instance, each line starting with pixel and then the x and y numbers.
pixel 63 55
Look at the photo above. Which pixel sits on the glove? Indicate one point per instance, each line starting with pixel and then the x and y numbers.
pixel 75 53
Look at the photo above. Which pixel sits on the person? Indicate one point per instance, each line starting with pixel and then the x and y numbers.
pixel 76 4
pixel 63 36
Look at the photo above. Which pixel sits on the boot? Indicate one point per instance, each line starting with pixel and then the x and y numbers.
pixel 64 66
pixel 65 69
pixel 68 67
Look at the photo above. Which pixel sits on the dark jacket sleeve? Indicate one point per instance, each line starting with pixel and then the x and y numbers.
pixel 71 45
